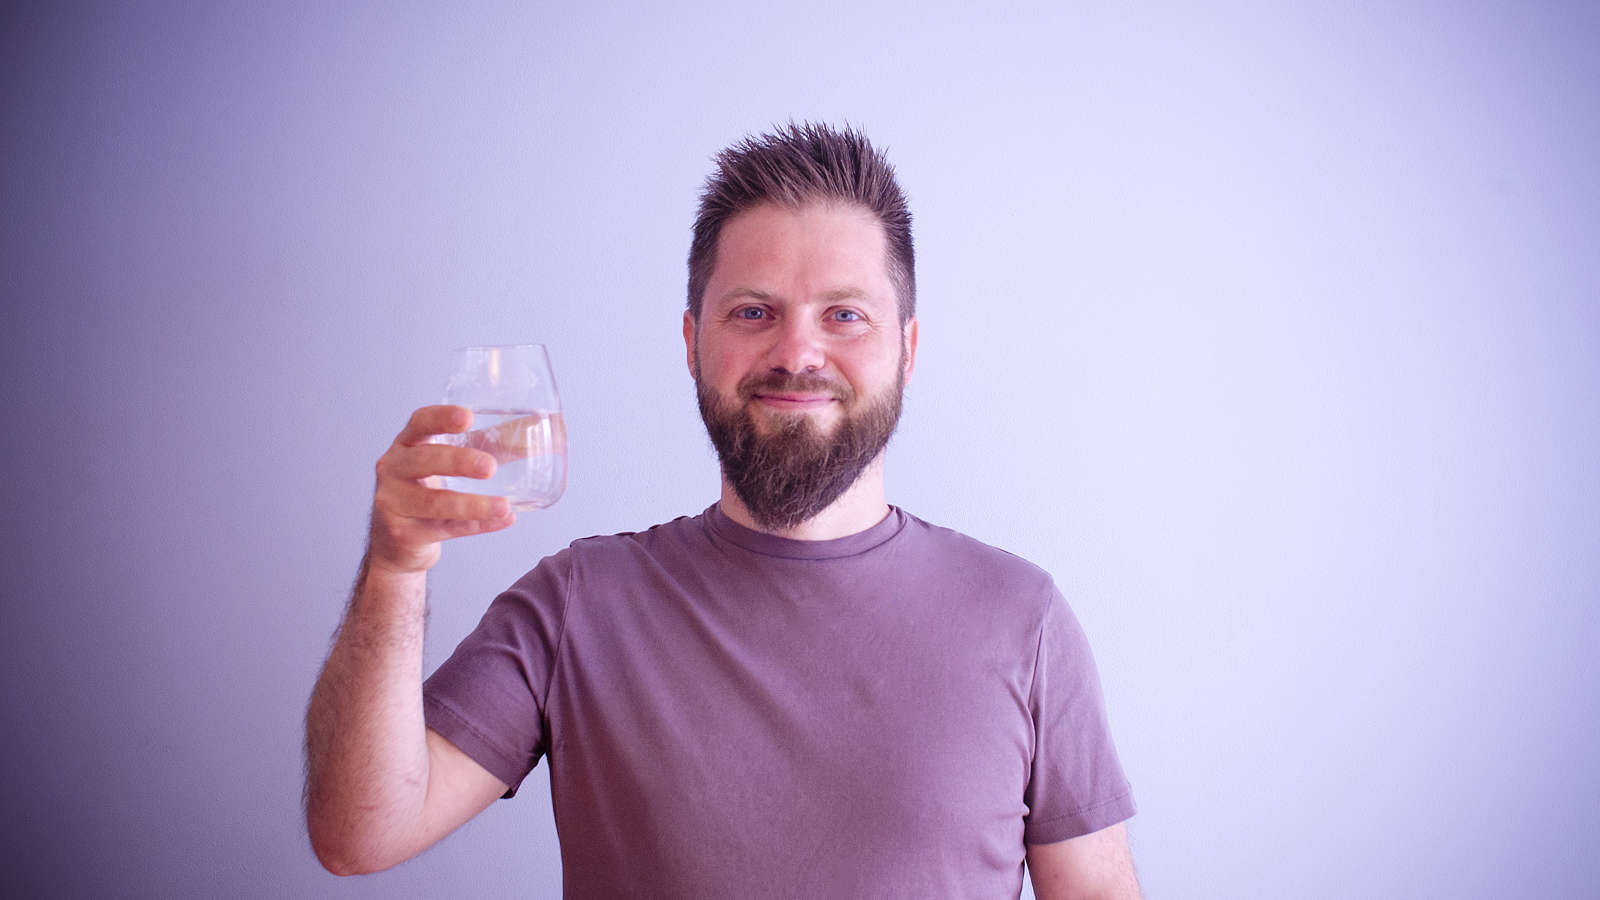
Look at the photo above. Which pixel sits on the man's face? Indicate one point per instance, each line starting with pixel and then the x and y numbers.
pixel 799 357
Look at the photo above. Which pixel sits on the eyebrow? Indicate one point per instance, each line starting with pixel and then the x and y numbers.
pixel 848 293
pixel 833 296
pixel 742 293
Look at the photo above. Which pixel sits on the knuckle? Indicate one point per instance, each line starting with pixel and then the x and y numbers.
pixel 390 464
pixel 382 505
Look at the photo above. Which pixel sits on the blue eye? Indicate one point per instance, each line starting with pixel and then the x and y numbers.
pixel 846 315
pixel 750 313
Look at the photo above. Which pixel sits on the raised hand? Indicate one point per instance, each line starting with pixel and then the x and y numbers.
pixel 411 513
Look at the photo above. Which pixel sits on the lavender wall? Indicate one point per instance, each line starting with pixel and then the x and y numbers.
pixel 1273 335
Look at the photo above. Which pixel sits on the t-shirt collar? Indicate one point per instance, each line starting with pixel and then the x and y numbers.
pixel 771 545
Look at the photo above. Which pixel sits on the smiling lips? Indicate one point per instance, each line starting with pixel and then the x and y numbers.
pixel 795 401
pixel 800 393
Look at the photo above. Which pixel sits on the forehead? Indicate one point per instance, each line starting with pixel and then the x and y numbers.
pixel 802 253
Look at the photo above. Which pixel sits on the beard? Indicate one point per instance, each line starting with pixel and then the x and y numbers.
pixel 793 470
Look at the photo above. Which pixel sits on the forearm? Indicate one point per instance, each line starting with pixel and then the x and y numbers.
pixel 369 761
pixel 366 747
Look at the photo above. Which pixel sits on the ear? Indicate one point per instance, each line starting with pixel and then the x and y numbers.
pixel 688 342
pixel 908 337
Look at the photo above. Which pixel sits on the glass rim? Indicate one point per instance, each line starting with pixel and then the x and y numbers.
pixel 473 347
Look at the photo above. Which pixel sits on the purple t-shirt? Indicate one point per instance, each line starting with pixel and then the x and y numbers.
pixel 733 714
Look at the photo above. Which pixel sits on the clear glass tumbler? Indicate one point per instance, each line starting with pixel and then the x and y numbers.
pixel 516 417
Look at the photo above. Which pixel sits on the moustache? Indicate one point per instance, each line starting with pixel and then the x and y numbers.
pixel 800 383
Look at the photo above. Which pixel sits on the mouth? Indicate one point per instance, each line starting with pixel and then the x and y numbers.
pixel 796 401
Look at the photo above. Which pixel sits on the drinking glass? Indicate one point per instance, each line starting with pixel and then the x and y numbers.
pixel 516 417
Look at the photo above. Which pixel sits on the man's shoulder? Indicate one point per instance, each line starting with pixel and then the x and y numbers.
pixel 619 555
pixel 677 532
pixel 952 549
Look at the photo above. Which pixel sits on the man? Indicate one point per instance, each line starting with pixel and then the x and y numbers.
pixel 801 692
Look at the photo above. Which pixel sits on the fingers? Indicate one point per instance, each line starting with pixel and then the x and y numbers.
pixel 410 500
pixel 416 533
pixel 410 514
pixel 464 527
pixel 407 486
pixel 422 460
pixel 431 420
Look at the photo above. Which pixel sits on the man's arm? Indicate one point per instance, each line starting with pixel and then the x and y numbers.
pixel 380 786
pixel 1096 866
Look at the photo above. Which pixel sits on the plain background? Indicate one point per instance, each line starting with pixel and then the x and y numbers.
pixel 1274 335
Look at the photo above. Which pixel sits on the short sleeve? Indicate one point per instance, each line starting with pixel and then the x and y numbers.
pixel 488 698
pixel 1076 784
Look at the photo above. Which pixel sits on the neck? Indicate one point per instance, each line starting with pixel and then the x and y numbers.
pixel 857 509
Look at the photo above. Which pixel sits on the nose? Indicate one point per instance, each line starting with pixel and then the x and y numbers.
pixel 799 346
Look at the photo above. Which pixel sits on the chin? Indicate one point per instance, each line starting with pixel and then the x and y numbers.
pixel 823 423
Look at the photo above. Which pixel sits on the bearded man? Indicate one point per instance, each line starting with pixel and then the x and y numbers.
pixel 800 692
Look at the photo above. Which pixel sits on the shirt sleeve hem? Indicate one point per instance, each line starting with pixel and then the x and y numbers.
pixel 1086 821
pixel 469 740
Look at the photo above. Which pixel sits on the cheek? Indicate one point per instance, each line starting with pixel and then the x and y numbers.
pixel 876 367
pixel 719 370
